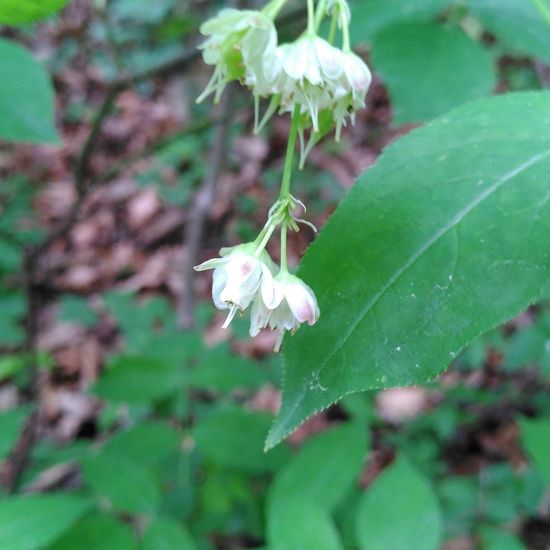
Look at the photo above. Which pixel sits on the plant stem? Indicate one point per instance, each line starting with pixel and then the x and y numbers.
pixel 310 17
pixel 291 146
pixel 346 45
pixel 543 8
pixel 284 264
pixel 333 28
pixel 273 8
pixel 319 14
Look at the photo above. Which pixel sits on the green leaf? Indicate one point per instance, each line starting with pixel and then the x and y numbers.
pixel 443 239
pixel 301 524
pixel 12 309
pixel 325 468
pixel 17 12
pixel 138 379
pixel 518 25
pixel 10 365
pixel 399 510
pixel 75 309
pixel 11 423
pixel 96 532
pixel 147 443
pixel 430 69
pixel 32 522
pixel 367 18
pixel 535 438
pixel 128 486
pixel 26 97
pixel 166 534
pixel 233 437
pixel 497 539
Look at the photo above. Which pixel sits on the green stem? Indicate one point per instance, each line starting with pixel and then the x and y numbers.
pixel 310 16
pixel 284 264
pixel 333 28
pixel 346 45
pixel 273 8
pixel 320 13
pixel 543 8
pixel 291 146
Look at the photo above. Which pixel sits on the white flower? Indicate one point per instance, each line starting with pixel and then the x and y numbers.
pixel 290 303
pixel 235 38
pixel 306 72
pixel 238 276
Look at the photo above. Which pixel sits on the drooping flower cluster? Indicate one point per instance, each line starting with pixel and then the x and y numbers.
pixel 324 84
pixel 245 275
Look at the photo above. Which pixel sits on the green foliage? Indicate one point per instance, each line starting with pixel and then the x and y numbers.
pixel 399 510
pixel 75 309
pixel 517 25
pixel 165 534
pixel 139 379
pixel 441 226
pixel 32 522
pixel 10 425
pixel 535 436
pixel 420 84
pixel 12 309
pixel 17 12
pixel 96 532
pixel 126 485
pixel 26 97
pixel 370 17
pixel 233 437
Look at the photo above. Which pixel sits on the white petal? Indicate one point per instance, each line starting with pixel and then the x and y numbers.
pixel 259 316
pixel 272 291
pixel 210 264
pixel 219 280
pixel 302 302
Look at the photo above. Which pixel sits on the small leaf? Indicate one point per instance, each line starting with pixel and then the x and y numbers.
pixel 26 97
pixel 518 25
pixel 301 524
pixel 443 239
pixel 12 309
pixel 166 534
pixel 128 486
pixel 11 423
pixel 32 522
pixel 399 510
pixel 325 467
pixel 137 379
pixel 96 532
pixel 535 437
pixel 497 539
pixel 147 443
pixel 233 437
pixel 413 59
pixel 17 12
pixel 75 309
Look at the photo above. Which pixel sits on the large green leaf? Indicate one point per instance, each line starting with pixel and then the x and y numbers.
pixel 139 379
pixel 96 532
pixel 324 469
pixel 399 510
pixel 128 486
pixel 16 12
pixel 32 522
pixel 443 239
pixel 430 69
pixel 26 97
pixel 517 24
pixel 370 17
pixel 535 437
pixel 166 534
pixel 233 437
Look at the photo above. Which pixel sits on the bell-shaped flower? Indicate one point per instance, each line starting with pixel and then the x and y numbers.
pixel 239 273
pixel 234 38
pixel 290 303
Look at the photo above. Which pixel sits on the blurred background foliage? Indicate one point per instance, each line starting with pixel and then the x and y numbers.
pixel 145 435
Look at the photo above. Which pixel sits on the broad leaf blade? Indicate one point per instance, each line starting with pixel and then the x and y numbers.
pixel 26 97
pixel 399 510
pixel 17 12
pixel 445 238
pixel 413 60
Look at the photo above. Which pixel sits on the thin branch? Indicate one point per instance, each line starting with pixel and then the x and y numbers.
pixel 199 211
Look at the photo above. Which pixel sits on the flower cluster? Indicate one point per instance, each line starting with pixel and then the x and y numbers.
pixel 322 86
pixel 325 85
pixel 244 275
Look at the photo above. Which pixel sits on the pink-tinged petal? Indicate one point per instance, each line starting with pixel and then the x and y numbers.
pixel 211 264
pixel 302 302
pixel 219 280
pixel 272 291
